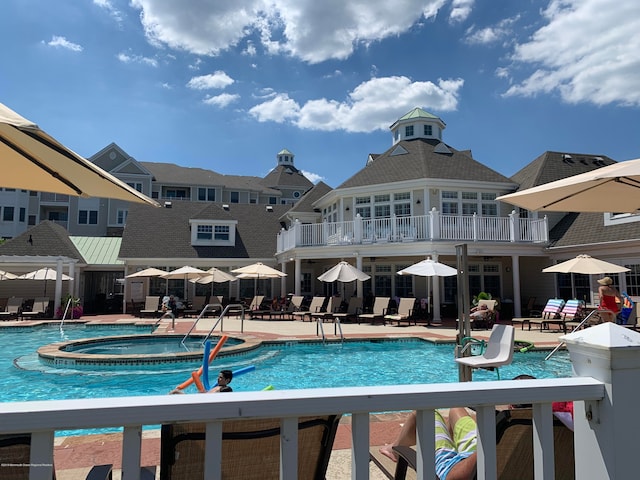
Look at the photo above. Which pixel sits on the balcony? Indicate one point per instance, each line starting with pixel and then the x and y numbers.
pixel 430 227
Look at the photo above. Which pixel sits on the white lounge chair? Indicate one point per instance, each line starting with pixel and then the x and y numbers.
pixel 499 350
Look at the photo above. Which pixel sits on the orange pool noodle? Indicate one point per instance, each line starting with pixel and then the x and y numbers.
pixel 198 372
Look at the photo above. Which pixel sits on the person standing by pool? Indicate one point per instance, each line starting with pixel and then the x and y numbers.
pixel 609 298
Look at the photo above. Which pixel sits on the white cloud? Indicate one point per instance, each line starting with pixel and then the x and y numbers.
pixel 586 52
pixel 221 100
pixel 110 8
pixel 61 42
pixel 307 29
pixel 460 10
pixel 313 177
pixel 126 58
pixel 369 107
pixel 493 34
pixel 218 79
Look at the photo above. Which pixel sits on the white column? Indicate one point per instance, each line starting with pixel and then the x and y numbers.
pixel 298 276
pixel 283 280
pixel 359 282
pixel 435 300
pixel 515 271
pixel 58 289
pixel 606 431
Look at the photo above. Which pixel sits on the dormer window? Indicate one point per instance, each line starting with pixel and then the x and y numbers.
pixel 213 232
pixel 408 131
pixel 428 130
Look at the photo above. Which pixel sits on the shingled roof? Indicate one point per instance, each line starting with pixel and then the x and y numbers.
pixel 165 232
pixel 589 228
pixel 552 166
pixel 422 160
pixel 47 239
pixel 305 204
pixel 286 176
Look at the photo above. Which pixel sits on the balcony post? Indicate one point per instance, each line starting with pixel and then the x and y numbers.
pixel 325 233
pixel 546 228
pixel 606 431
pixel 296 233
pixel 357 229
pixel 475 226
pixel 434 220
pixel 513 226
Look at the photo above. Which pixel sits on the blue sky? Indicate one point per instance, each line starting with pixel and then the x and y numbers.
pixel 226 85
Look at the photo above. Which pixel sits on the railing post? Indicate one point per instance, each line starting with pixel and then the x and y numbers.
pixel 296 233
pixel 475 226
pixel 325 233
pixel 606 430
pixel 434 220
pixel 513 226
pixel 546 229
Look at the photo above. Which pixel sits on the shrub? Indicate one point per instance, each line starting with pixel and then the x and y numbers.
pixel 75 309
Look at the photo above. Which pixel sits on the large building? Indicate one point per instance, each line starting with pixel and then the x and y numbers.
pixel 421 198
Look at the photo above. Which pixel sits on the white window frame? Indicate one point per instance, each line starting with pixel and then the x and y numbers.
pixel 121 216
pixel 200 229
pixel 88 221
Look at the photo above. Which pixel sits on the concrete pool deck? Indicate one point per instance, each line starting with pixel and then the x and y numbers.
pixel 74 456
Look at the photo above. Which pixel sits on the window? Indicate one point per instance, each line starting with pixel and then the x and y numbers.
pixel 205 232
pixel 449 203
pixel 122 217
pixel 88 217
pixel 383 211
pixel 235 197
pixel 135 185
pixel 207 194
pixel 428 130
pixel 364 212
pixel 31 220
pixel 221 232
pixel 633 279
pixel 408 131
pixel 23 213
pixel 402 209
pixel 7 214
pixel 296 194
pixel 273 201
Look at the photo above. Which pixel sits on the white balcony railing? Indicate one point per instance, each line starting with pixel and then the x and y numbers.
pixel 430 227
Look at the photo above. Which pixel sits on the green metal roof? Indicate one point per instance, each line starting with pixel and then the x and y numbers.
pixel 417 113
pixel 99 250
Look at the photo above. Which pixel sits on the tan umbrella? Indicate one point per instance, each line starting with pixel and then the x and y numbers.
pixel 215 276
pixel 6 275
pixel 33 160
pixel 147 272
pixel 45 274
pixel 257 271
pixel 587 265
pixel 614 188
pixel 343 272
pixel 187 272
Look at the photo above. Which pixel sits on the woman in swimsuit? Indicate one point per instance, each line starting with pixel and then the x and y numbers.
pixel 610 300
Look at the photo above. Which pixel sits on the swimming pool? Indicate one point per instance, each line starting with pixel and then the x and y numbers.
pixel 285 365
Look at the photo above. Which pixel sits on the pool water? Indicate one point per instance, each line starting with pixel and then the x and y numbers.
pixel 288 365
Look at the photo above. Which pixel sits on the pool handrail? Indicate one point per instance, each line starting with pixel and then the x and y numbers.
pixel 219 321
pixel 162 317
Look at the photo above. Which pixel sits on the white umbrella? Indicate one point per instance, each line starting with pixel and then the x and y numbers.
pixel 147 272
pixel 343 272
pixel 429 268
pixel 614 188
pixel 6 275
pixel 587 265
pixel 185 273
pixel 215 276
pixel 45 274
pixel 33 160
pixel 257 271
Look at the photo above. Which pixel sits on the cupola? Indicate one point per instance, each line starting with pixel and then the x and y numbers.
pixel 417 124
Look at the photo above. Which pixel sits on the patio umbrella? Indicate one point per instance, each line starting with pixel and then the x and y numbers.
pixel 215 276
pixel 45 274
pixel 185 273
pixel 343 272
pixel 614 188
pixel 587 265
pixel 429 268
pixel 257 271
pixel 33 160
pixel 147 272
pixel 6 275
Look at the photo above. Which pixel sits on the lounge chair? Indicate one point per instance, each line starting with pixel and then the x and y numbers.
pixel 250 449
pixel 15 452
pixel 39 308
pixel 484 318
pixel 404 312
pixel 571 313
pixel 379 310
pixel 514 450
pixel 550 311
pixel 151 306
pixel 499 350
pixel 353 310
pixel 314 307
pixel 333 305
pixel 14 306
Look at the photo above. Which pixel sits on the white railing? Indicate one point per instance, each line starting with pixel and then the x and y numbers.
pixel 43 418
pixel 430 227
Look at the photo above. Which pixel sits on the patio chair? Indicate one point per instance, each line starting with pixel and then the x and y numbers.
pixel 571 314
pixel 333 306
pixel 250 449
pixel 315 306
pixel 15 451
pixel 353 310
pixel 514 450
pixel 551 311
pixel 498 352
pixel 14 306
pixel 39 308
pixel 404 312
pixel 151 305
pixel 379 310
pixel 485 315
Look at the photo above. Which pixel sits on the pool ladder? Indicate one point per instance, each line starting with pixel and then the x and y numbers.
pixel 210 307
pixel 336 326
pixel 162 317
